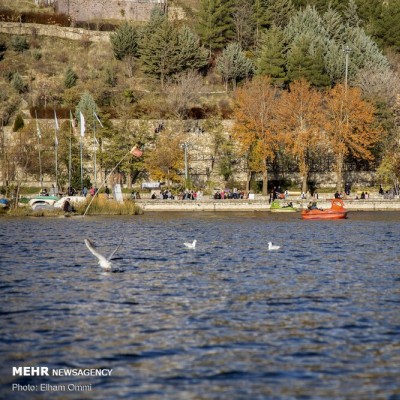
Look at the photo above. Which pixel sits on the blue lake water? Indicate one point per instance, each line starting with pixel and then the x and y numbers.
pixel 317 319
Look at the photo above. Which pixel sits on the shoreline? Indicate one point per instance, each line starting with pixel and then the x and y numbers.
pixel 158 205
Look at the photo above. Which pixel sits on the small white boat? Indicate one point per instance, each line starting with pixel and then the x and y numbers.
pixel 42 202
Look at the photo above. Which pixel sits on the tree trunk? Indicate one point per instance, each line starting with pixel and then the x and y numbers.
pixel 304 176
pixel 304 183
pixel 339 172
pixel 129 180
pixel 265 180
pixel 248 181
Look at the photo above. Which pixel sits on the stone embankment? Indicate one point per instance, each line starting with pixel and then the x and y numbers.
pixel 15 28
pixel 260 204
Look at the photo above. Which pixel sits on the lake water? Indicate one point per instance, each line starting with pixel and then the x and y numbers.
pixel 317 319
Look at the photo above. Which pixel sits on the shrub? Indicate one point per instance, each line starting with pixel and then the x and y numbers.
pixel 70 78
pixel 18 123
pixel 37 55
pixel 19 44
pixel 3 49
pixel 18 83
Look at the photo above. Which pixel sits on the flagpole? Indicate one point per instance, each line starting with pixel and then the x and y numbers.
pixel 56 151
pixel 56 187
pixel 82 120
pixel 94 152
pixel 95 144
pixel 81 146
pixel 70 151
pixel 40 157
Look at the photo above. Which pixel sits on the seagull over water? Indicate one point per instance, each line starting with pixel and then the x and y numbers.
pixel 191 245
pixel 273 247
pixel 103 261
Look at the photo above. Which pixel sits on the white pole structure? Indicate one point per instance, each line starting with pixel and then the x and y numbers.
pixel 39 134
pixel 95 145
pixel 185 146
pixel 94 153
pixel 83 128
pixel 70 151
pixel 56 128
pixel 105 180
pixel 347 50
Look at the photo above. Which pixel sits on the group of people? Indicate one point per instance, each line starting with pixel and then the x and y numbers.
pixel 278 193
pixel 363 196
pixel 228 194
pixel 163 195
pixel 198 195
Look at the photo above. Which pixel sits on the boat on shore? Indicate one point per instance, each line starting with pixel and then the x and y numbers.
pixel 42 202
pixel 276 206
pixel 336 211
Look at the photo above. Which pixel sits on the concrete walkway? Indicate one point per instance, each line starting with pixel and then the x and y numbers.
pixel 372 204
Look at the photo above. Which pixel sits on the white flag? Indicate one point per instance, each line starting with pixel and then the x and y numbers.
pixel 95 115
pixel 83 128
pixel 72 122
pixel 56 122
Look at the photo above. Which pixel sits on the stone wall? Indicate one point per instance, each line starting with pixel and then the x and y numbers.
pixel 15 28
pixel 87 10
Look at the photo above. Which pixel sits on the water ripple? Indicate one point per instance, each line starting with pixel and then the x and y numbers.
pixel 229 320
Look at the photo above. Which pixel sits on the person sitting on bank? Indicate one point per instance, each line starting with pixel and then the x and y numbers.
pixel 312 205
pixel 67 207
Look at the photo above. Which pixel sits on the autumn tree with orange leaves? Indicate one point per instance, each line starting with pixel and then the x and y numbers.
pixel 349 125
pixel 254 113
pixel 298 117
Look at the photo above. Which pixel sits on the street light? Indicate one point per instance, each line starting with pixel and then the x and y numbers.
pixel 347 50
pixel 185 146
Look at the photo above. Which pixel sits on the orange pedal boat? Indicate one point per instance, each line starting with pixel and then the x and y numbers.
pixel 337 211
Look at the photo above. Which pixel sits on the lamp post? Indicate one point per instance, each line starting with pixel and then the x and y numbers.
pixel 347 50
pixel 185 146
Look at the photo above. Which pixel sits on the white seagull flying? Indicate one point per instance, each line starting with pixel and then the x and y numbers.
pixel 273 247
pixel 103 261
pixel 191 245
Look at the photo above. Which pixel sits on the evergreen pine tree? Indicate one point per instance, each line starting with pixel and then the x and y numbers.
pixel 233 65
pixel 333 25
pixel 18 83
pixel 124 41
pixel 351 14
pixel 365 52
pixel 388 26
pixel 279 12
pixel 305 62
pixel 271 60
pixel 87 106
pixel 190 54
pixel 70 78
pixel 19 44
pixel 159 48
pixel 215 23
